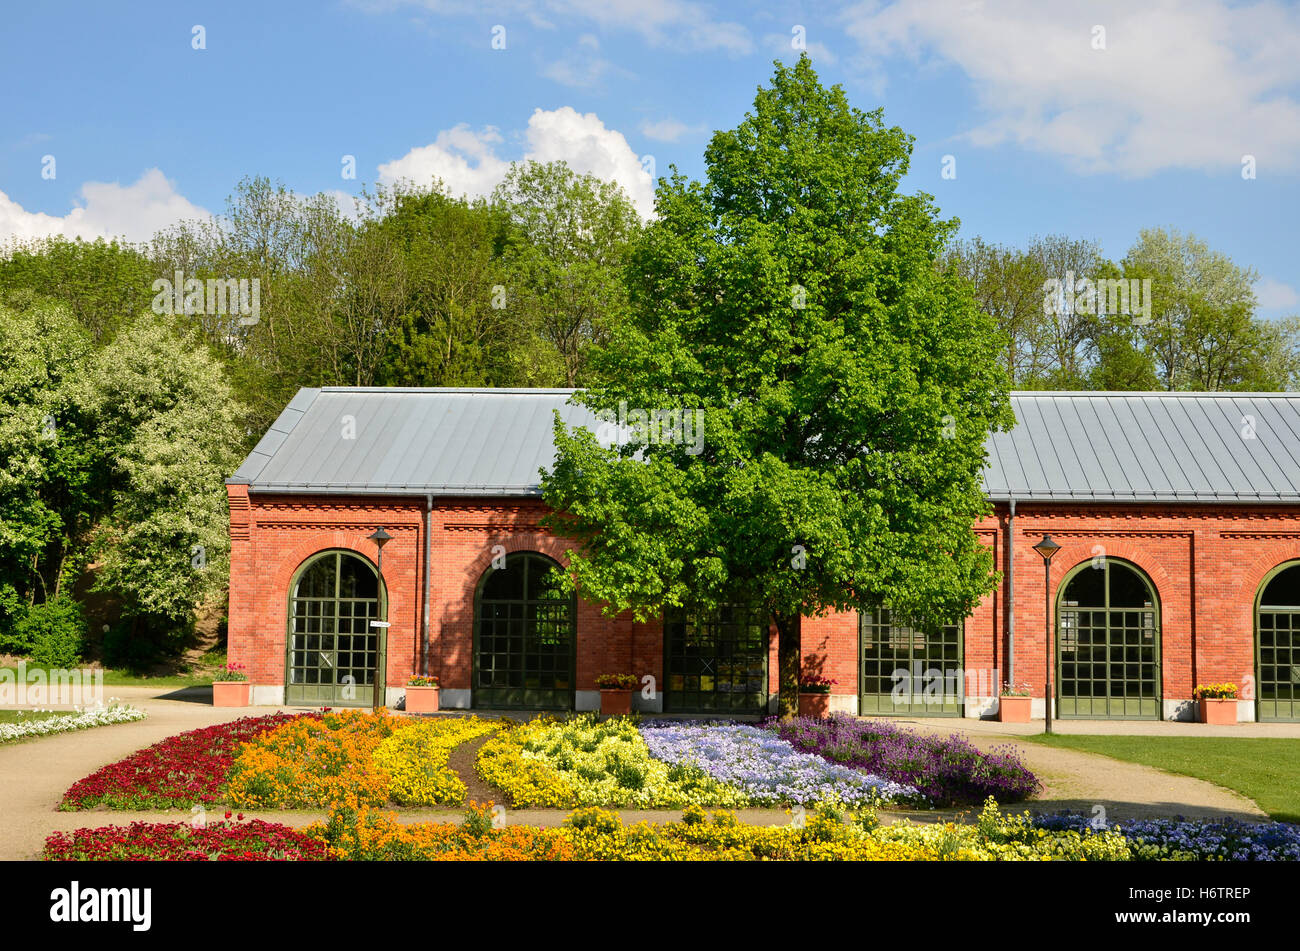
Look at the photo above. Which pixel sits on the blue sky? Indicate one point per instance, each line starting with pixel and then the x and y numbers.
pixel 1054 126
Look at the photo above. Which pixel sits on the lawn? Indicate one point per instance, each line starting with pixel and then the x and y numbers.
pixel 1265 769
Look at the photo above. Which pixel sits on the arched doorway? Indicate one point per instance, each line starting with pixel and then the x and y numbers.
pixel 524 631
pixel 1277 644
pixel 333 651
pixel 1108 642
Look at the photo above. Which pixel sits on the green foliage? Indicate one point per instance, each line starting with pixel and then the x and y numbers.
pixel 847 385
pixel 573 233
pixel 54 632
pixel 115 455
pixel 103 283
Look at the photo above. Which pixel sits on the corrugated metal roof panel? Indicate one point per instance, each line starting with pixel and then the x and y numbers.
pixel 1065 446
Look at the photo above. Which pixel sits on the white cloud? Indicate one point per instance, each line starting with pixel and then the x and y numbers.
pixel 1274 295
pixel 467 162
pixel 105 210
pixel 669 129
pixel 1197 84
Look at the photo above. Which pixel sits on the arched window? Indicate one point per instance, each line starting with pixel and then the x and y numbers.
pixel 334 651
pixel 524 631
pixel 1108 642
pixel 1277 645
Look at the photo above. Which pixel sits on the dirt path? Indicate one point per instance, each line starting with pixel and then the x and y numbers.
pixel 35 774
pixel 461 762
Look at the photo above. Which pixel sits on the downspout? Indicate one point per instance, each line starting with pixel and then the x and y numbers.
pixel 424 624
pixel 1011 594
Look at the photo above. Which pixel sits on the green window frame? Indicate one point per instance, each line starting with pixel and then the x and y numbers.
pixel 886 647
pixel 525 633
pixel 332 653
pixel 716 661
pixel 1108 662
pixel 1277 645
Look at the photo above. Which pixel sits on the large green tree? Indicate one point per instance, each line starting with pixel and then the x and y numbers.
pixel 846 384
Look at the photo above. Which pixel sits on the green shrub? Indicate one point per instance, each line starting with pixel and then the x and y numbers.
pixel 56 631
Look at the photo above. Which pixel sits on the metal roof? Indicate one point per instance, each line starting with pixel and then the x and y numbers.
pixel 1148 447
pixel 1098 446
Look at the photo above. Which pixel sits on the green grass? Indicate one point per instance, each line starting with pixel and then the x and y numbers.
pixel 1265 769
pixel 124 678
pixel 19 716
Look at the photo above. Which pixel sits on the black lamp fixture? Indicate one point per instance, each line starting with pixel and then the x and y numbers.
pixel 380 538
pixel 1046 549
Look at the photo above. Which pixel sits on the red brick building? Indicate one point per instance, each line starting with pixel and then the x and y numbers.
pixel 1179 565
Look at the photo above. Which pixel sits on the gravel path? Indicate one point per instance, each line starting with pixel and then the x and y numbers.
pixel 34 775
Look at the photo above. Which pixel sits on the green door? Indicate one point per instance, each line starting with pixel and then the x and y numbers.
pixel 524 629
pixel 904 670
pixel 1108 643
pixel 333 650
pixel 716 662
pixel 1277 645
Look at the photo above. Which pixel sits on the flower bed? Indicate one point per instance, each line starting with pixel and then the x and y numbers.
pixel 581 762
pixel 81 720
pixel 595 834
pixel 764 767
pixel 175 773
pixel 1195 839
pixel 415 759
pixel 946 770
pixel 181 842
pixel 314 762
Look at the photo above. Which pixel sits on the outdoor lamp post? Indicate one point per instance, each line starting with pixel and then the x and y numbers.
pixel 380 538
pixel 1047 548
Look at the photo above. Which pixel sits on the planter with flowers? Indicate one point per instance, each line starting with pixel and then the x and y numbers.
pixel 1014 704
pixel 815 695
pixel 1217 703
pixel 616 693
pixel 230 686
pixel 421 694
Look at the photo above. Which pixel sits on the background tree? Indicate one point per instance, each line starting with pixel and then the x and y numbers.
pixel 573 235
pixel 103 283
pixel 847 382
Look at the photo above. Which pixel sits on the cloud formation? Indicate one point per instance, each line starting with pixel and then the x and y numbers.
pixel 468 164
pixel 1196 84
pixel 104 210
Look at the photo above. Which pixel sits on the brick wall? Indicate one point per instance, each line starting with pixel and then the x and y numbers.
pixel 1205 562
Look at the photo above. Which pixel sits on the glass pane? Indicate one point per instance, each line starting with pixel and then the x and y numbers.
pixel 1284 590
pixel 1087 589
pixel 1127 589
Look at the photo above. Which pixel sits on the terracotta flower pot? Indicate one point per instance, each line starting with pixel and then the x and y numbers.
pixel 615 702
pixel 230 693
pixel 814 704
pixel 421 699
pixel 1014 709
pixel 1218 711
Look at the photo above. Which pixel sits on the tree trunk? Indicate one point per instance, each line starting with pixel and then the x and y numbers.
pixel 789 662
